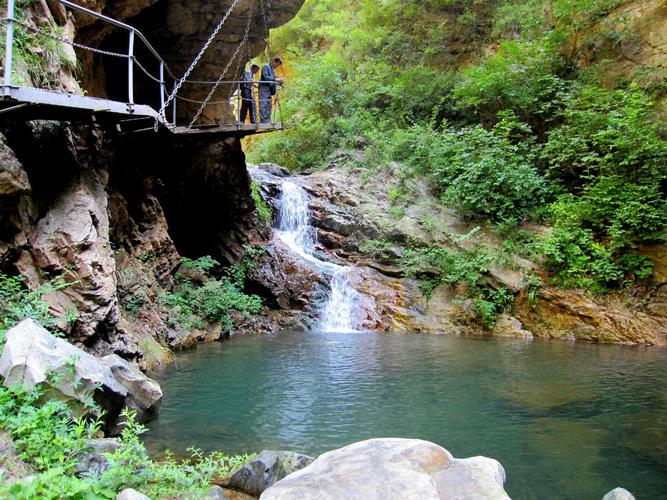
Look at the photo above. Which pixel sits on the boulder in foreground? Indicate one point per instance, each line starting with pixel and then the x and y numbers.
pixel 619 494
pixel 392 468
pixel 34 357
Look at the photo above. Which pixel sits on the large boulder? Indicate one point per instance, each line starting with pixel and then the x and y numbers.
pixel 266 469
pixel 143 393
pixel 619 494
pixel 93 460
pixel 392 468
pixel 34 357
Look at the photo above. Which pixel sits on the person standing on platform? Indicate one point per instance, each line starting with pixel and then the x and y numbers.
pixel 248 106
pixel 268 87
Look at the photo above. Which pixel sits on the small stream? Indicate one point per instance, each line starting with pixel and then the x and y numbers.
pixel 339 313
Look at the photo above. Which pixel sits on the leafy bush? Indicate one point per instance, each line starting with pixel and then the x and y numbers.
pixel 578 260
pixel 477 171
pixel 518 77
pixel 48 438
pixel 263 210
pixel 489 303
pixel 45 434
pixel 190 305
pixel 609 133
pixel 130 466
pixel 18 302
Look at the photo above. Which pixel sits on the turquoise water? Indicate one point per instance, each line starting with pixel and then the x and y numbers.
pixel 566 420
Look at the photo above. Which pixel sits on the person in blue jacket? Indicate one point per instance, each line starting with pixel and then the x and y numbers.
pixel 267 88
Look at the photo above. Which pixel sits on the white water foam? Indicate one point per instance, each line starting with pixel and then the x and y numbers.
pixel 294 229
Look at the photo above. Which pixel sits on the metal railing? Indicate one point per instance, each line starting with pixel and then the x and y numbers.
pixel 266 109
pixel 231 105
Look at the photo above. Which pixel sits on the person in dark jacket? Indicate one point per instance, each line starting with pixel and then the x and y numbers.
pixel 267 89
pixel 248 105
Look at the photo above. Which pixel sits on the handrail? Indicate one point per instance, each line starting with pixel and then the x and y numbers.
pixel 134 33
pixel 119 24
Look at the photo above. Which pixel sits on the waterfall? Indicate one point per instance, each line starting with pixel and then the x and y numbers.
pixel 294 229
pixel 341 306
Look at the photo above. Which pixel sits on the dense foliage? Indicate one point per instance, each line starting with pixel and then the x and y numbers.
pixel 18 302
pixel 200 297
pixel 492 102
pixel 48 438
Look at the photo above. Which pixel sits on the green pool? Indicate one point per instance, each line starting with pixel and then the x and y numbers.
pixel 566 420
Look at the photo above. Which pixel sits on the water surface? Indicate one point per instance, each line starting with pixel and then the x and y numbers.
pixel 566 420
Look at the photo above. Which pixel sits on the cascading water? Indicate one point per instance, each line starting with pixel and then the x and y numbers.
pixel 294 229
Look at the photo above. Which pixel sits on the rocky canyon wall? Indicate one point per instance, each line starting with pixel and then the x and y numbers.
pixel 112 214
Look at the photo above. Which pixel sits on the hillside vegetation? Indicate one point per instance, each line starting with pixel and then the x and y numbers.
pixel 516 111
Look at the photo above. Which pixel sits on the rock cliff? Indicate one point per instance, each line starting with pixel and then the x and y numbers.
pixel 112 214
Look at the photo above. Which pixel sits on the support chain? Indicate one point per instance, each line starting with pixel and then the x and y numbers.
pixel 224 71
pixel 196 60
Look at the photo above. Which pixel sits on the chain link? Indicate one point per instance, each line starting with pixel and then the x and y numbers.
pixel 146 72
pixel 196 101
pixel 266 8
pixel 224 71
pixel 62 39
pixel 197 58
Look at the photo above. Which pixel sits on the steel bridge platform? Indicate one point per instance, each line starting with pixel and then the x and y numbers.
pixel 26 103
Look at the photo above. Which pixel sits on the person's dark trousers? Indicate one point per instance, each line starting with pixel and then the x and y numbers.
pixel 248 107
pixel 265 103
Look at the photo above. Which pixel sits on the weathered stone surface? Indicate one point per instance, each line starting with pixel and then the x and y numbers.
pixel 285 279
pixel 216 493
pixel 143 394
pixel 266 469
pixel 508 326
pixel 572 314
pixel 619 494
pixel 274 169
pixel 384 469
pixel 73 237
pixel 32 356
pixel 13 179
pixel 93 460
pixel 131 494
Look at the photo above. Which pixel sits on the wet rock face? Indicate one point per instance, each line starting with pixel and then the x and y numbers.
pixel 570 314
pixel 281 277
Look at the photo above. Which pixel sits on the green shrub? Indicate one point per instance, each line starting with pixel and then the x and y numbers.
pixel 190 305
pixel 263 209
pixel 519 77
pixel 489 303
pixel 579 260
pixel 610 133
pixel 48 438
pixel 18 302
pixel 45 434
pixel 477 171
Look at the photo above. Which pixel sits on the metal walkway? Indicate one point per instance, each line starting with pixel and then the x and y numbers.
pixel 28 103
